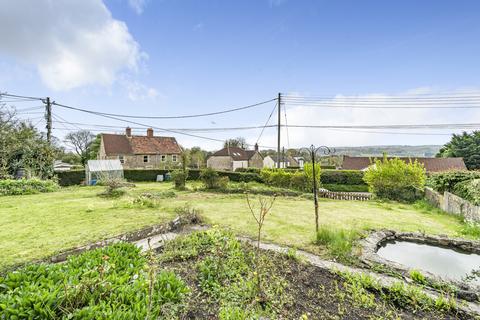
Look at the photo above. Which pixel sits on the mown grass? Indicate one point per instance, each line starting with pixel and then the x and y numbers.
pixel 36 226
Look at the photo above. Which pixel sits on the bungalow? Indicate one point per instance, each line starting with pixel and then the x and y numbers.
pixel 430 164
pixel 139 152
pixel 285 162
pixel 232 158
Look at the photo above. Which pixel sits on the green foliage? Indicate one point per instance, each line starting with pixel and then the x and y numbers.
pixel 418 277
pixel 152 200
pixel 346 187
pixel 347 177
pixel 471 230
pixel 70 178
pixel 210 178
pixel 446 181
pixel 308 171
pixel 108 283
pixel 180 178
pixel 26 186
pixel 469 190
pixel 465 145
pixel 395 179
pixel 339 242
pixel 400 294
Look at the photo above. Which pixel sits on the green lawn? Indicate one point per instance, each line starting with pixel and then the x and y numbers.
pixel 35 226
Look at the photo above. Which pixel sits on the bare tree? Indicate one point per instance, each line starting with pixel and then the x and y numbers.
pixel 80 141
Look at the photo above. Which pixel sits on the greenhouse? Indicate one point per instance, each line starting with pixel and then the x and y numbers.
pixel 97 170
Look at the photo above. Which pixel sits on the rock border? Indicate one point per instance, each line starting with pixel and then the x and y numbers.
pixel 370 245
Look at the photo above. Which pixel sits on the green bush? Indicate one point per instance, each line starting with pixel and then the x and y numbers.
pixel 180 178
pixel 308 171
pixel 108 283
pixel 11 187
pixel 339 242
pixel 346 187
pixel 446 181
pixel 350 177
pixel 70 178
pixel 395 179
pixel 299 181
pixel 469 190
pixel 209 178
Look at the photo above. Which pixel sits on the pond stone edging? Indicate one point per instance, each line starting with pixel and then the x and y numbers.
pixel 370 245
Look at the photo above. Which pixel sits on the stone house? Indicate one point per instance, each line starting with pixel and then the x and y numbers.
pixel 232 158
pixel 285 162
pixel 430 164
pixel 140 152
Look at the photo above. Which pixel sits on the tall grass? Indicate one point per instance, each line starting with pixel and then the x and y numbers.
pixel 339 242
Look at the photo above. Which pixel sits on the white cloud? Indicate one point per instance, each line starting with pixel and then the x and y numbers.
pixel 72 43
pixel 276 3
pixel 137 5
pixel 137 91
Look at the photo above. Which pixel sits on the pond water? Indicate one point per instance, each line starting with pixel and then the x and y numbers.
pixel 436 260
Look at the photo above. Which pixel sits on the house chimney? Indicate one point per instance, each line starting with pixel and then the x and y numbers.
pixel 128 132
pixel 256 147
pixel 150 132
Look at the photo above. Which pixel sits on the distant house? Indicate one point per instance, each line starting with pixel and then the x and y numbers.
pixel 232 158
pixel 139 152
pixel 285 162
pixel 60 166
pixel 430 164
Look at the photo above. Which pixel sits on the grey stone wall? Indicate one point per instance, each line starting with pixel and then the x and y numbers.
pixel 453 204
pixel 256 161
pixel 220 163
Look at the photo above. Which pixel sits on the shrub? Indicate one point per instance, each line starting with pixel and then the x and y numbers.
pixel 446 181
pixel 469 190
pixel 26 186
pixel 350 177
pixel 70 178
pixel 346 187
pixel 114 187
pixel 395 179
pixel 299 181
pixel 308 170
pixel 180 178
pixel 209 178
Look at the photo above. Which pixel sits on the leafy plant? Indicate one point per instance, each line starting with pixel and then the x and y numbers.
pixel 446 181
pixel 339 242
pixel 395 179
pixel 418 277
pixel 10 187
pixel 465 145
pixel 179 177
pixel 209 178
pixel 469 190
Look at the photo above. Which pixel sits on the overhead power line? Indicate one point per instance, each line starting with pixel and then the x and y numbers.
pixel 142 124
pixel 19 96
pixel 176 117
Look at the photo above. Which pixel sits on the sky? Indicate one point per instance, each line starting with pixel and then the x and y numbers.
pixel 177 57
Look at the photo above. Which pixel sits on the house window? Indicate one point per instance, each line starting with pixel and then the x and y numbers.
pixel 164 158
pixel 174 158
pixel 122 159
pixel 145 158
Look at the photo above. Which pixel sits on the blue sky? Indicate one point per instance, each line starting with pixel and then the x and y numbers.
pixel 181 57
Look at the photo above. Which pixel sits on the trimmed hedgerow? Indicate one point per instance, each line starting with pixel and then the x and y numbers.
pixel 349 177
pixel 70 178
pixel 12 187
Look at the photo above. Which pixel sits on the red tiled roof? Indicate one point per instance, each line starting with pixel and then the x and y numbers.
pixel 237 154
pixel 121 144
pixel 430 164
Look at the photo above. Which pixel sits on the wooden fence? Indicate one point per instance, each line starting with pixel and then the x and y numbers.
pixel 357 196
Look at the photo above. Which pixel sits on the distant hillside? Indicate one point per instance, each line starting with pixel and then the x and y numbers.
pixel 400 151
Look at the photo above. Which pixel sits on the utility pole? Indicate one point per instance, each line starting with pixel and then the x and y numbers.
pixel 279 127
pixel 48 117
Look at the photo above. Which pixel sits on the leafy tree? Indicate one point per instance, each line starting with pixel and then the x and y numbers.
pixel 80 141
pixel 395 179
pixel 197 157
pixel 94 147
pixel 239 142
pixel 23 146
pixel 465 145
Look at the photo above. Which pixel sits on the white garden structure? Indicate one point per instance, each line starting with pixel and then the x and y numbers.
pixel 96 170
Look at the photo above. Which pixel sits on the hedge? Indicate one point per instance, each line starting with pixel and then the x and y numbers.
pixel 76 177
pixel 348 177
pixel 70 178
pixel 446 181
